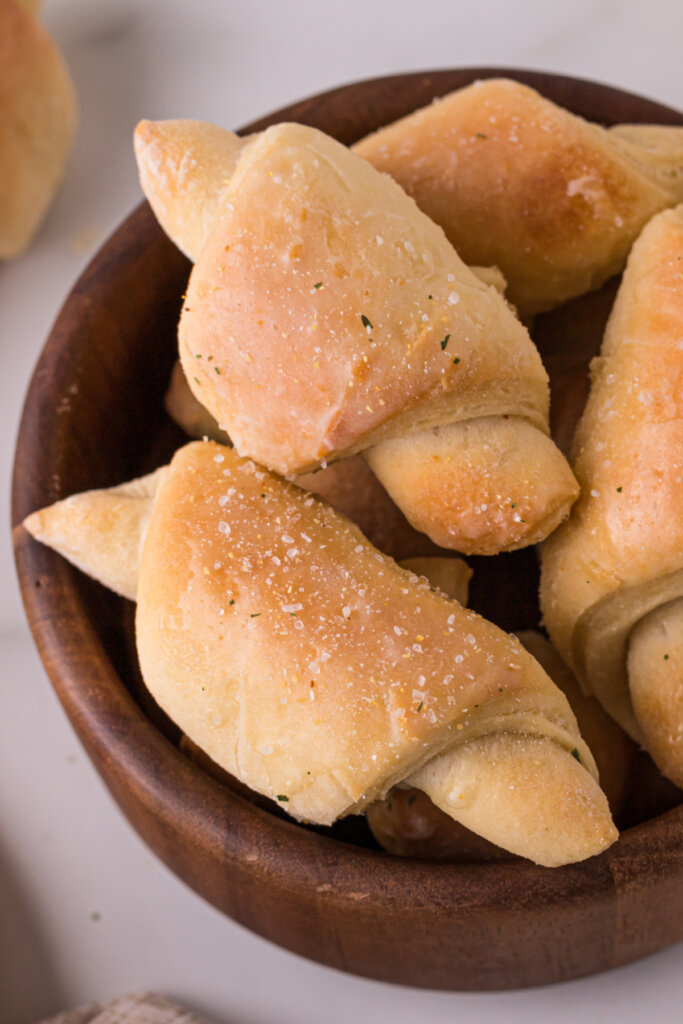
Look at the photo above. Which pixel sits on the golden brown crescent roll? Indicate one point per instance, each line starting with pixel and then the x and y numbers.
pixel 408 824
pixel 554 201
pixel 37 119
pixel 318 672
pixel 327 315
pixel 613 574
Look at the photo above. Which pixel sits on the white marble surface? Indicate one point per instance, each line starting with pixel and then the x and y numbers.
pixel 86 912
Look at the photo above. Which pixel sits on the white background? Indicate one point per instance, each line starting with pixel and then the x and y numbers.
pixel 86 912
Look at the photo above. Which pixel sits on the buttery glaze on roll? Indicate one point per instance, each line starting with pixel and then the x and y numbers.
pixel 554 201
pixel 318 672
pixel 327 315
pixel 612 578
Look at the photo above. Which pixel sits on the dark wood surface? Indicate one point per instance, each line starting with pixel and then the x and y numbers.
pixel 94 417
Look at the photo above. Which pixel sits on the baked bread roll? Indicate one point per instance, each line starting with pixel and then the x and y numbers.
pixel 321 291
pixel 37 120
pixel 406 823
pixel 613 574
pixel 319 673
pixel 514 180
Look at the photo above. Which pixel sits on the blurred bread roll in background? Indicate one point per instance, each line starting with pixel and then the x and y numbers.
pixel 37 121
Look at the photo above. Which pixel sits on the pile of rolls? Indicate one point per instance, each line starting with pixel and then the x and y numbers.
pixel 357 368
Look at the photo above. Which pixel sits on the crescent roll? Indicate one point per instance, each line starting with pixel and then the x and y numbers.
pixel 612 578
pixel 514 180
pixel 408 824
pixel 37 120
pixel 326 315
pixel 319 673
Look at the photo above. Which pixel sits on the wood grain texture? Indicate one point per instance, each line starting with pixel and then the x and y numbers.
pixel 94 417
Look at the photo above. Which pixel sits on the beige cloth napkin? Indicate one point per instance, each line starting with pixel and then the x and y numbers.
pixel 144 1008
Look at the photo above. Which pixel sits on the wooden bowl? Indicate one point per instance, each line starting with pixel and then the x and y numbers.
pixel 94 417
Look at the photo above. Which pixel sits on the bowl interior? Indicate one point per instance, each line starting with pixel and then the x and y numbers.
pixel 94 417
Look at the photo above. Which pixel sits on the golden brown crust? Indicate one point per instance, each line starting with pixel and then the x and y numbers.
pixel 319 673
pixel 353 307
pixel 360 324
pixel 408 824
pixel 620 555
pixel 466 783
pixel 488 484
pixel 516 181
pixel 333 618
pixel 101 532
pixel 185 168
pixel 38 117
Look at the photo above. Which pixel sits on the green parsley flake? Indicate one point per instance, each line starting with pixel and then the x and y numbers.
pixel 576 754
pixel 319 284
pixel 456 360
pixel 619 490
pixel 217 370
pixel 445 341
pixel 254 615
pixel 365 322
pixel 666 657
pixel 480 135
pixel 282 798
pixel 420 706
